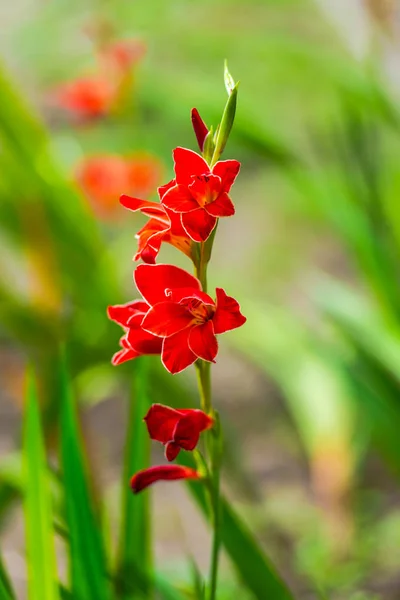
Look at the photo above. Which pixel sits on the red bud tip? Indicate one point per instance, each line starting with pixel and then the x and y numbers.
pixel 200 128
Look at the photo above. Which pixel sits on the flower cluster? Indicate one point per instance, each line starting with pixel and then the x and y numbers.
pixel 175 316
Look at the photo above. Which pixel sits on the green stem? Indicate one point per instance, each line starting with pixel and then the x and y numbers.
pixel 201 267
pixel 216 542
pixel 213 445
pixel 204 383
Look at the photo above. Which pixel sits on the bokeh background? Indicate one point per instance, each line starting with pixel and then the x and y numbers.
pixel 93 98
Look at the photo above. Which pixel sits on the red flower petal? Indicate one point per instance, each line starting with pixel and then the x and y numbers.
pixel 161 421
pixel 186 296
pixel 189 427
pixel 121 313
pixel 198 224
pixel 154 282
pixel 176 354
pixel 167 318
pixel 127 353
pixel 171 451
pixel 175 224
pixel 187 164
pixel 179 199
pixel 228 315
pixel 202 341
pixel 150 209
pixel 163 189
pixel 143 342
pixel 221 207
pixel 143 479
pixel 227 170
pixel 150 238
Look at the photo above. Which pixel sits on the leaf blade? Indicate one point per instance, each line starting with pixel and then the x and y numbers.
pixel 89 573
pixel 42 575
pixel 134 545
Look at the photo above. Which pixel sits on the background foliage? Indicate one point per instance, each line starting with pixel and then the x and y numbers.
pixel 309 389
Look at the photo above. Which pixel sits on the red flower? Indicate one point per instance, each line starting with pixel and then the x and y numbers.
pixel 87 97
pixel 103 177
pixel 176 429
pixel 136 341
pixel 163 226
pixel 143 479
pixel 199 195
pixel 122 54
pixel 182 314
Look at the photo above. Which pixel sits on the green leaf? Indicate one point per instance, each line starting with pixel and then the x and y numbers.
pixel 42 573
pixel 6 592
pixel 253 566
pixel 89 580
pixel 199 586
pixel 135 547
pixel 165 589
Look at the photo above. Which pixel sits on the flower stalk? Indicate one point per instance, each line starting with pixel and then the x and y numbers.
pixel 176 317
pixel 214 440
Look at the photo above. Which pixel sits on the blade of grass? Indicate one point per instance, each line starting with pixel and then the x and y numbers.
pixel 135 547
pixel 165 589
pixel 86 553
pixel 42 574
pixel 199 586
pixel 6 592
pixel 373 369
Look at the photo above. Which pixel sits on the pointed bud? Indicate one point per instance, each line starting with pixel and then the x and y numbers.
pixel 226 125
pixel 200 128
pixel 228 80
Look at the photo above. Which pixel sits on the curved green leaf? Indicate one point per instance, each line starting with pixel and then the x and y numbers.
pixel 42 573
pixel 135 549
pixel 89 572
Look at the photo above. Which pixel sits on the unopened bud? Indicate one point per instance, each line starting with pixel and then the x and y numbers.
pixel 200 128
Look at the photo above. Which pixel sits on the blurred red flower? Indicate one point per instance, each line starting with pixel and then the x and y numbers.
pixel 122 54
pixel 176 429
pixel 96 95
pixel 143 479
pixel 200 195
pixel 135 342
pixel 186 317
pixel 102 177
pixel 163 226
pixel 88 97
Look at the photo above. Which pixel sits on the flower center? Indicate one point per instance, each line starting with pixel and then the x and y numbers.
pixel 200 311
pixel 205 188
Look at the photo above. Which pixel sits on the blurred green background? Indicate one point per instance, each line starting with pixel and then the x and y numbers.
pixel 309 389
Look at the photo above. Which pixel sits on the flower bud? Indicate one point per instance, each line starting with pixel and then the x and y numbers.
pixel 227 120
pixel 200 128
